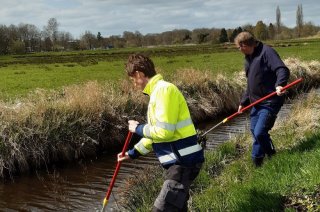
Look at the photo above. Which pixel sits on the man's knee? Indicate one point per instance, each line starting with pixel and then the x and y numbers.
pixel 172 197
pixel 261 136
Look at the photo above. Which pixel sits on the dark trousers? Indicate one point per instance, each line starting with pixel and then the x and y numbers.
pixel 262 120
pixel 174 193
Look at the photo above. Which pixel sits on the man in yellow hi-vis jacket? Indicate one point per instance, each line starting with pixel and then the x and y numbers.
pixel 170 133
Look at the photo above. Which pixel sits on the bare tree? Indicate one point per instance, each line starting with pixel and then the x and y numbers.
pixel 149 39
pixel 132 39
pixel 116 41
pixel 29 34
pixel 4 40
pixel 167 38
pixel 34 37
pixel 214 35
pixel 200 35
pixel 88 40
pixel 181 36
pixel 138 38
pixel 64 39
pixel 299 20
pixel 309 29
pixel 52 30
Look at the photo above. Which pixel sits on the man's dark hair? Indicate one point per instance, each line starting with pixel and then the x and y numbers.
pixel 139 62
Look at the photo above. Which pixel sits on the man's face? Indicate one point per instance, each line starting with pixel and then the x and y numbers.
pixel 139 80
pixel 245 49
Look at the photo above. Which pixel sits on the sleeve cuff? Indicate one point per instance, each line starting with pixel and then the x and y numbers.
pixel 139 129
pixel 133 153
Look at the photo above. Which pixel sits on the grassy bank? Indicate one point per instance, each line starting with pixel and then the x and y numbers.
pixel 81 121
pixel 294 170
pixel 229 182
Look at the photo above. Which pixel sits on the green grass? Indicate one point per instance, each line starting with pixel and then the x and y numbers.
pixel 290 178
pixel 22 74
pixel 241 187
pixel 224 62
pixel 308 52
pixel 19 80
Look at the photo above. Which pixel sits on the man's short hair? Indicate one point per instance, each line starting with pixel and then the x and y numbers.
pixel 245 38
pixel 139 62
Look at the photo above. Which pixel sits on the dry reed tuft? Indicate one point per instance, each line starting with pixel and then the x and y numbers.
pixel 305 117
pixel 207 96
pixel 65 125
pixel 309 71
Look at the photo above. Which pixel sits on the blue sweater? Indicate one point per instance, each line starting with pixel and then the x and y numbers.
pixel 264 71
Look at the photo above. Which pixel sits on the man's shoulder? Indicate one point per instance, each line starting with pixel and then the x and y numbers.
pixel 168 87
pixel 268 49
pixel 166 84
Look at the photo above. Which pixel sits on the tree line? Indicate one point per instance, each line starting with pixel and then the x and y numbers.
pixel 26 38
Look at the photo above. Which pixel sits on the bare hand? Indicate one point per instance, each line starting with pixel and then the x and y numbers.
pixel 122 158
pixel 240 108
pixel 133 125
pixel 278 90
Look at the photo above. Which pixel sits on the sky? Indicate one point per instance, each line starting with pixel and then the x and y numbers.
pixel 113 17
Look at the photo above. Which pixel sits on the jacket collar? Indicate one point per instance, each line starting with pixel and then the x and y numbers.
pixel 152 84
pixel 257 50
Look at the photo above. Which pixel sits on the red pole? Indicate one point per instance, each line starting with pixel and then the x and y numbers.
pixel 252 104
pixel 263 98
pixel 124 149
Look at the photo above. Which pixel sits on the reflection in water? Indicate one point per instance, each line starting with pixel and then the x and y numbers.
pixel 82 186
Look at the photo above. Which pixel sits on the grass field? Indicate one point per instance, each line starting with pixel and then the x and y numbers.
pixel 21 74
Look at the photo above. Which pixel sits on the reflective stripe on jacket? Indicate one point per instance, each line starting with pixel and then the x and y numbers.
pixel 170 131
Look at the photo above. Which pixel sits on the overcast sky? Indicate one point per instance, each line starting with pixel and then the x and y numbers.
pixel 113 17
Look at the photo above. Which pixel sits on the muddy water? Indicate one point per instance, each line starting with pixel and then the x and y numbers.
pixel 82 186
pixel 75 187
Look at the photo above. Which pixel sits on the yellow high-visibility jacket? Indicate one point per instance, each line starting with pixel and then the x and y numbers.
pixel 170 131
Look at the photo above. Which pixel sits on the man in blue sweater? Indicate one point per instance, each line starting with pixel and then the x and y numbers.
pixel 265 73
